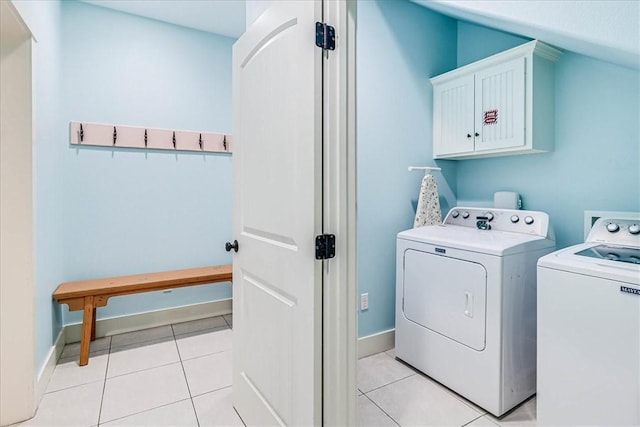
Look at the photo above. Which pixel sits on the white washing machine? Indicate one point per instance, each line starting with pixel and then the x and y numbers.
pixel 466 302
pixel 589 329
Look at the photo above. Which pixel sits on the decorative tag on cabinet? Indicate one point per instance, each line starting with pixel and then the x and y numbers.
pixel 490 117
pixel 95 134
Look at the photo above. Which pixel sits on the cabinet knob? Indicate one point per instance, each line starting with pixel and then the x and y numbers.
pixel 477 134
pixel 468 135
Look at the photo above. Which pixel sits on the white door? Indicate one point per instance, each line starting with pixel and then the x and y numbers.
pixel 500 100
pixel 277 207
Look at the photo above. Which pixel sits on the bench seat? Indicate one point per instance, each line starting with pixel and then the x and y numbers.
pixel 87 295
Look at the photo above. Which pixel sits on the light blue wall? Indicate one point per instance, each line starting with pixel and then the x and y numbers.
pixel 596 161
pixel 400 45
pixel 132 211
pixel 595 164
pixel 105 212
pixel 485 42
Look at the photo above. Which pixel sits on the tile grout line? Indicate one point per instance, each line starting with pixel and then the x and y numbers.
pixel 201 331
pixel 205 355
pixel 241 420
pixel 213 391
pixel 473 420
pixel 146 410
pixel 143 341
pixel 455 394
pixel 389 383
pixel 143 369
pixel 184 372
pixel 480 415
pixel 227 322
pixel 71 386
pixel 383 411
pixel 104 384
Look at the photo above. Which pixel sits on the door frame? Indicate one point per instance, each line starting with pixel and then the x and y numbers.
pixel 17 278
pixel 340 316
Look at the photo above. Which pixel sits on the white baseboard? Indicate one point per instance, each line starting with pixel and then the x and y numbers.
pixel 135 322
pixel 49 365
pixel 376 343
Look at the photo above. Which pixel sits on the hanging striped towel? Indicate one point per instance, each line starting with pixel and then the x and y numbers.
pixel 428 211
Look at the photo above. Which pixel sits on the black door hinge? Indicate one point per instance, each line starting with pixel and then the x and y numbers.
pixel 325 246
pixel 325 36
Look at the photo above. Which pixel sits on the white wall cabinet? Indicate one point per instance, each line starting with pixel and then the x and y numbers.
pixel 498 106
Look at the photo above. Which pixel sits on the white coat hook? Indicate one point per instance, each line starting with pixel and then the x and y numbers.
pixel 427 169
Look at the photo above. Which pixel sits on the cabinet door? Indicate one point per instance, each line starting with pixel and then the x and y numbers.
pixel 453 117
pixel 500 106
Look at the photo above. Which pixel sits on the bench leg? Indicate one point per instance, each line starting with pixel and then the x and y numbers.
pixel 93 325
pixel 87 326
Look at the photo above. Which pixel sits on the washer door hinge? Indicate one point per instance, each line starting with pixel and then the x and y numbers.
pixel 325 246
pixel 325 36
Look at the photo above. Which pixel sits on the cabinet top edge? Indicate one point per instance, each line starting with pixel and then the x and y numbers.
pixel 534 47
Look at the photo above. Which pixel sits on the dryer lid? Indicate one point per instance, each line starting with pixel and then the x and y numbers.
pixel 492 242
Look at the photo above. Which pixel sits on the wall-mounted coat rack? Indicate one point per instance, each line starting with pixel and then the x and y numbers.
pixel 95 134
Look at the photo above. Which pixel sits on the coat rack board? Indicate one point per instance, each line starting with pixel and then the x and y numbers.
pixel 96 134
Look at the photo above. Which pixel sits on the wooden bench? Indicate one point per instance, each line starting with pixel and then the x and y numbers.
pixel 87 295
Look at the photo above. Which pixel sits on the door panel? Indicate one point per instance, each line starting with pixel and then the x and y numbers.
pixel 277 207
pixel 499 115
pixel 453 109
pixel 447 296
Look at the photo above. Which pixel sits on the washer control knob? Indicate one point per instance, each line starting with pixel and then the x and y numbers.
pixel 612 257
pixel 515 218
pixel 528 220
pixel 455 214
pixel 634 229
pixel 465 214
pixel 489 216
pixel 612 227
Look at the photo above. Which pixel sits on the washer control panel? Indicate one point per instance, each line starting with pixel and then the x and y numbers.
pixel 625 232
pixel 516 221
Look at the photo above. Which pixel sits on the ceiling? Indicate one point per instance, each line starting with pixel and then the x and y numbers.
pixel 606 30
pixel 224 17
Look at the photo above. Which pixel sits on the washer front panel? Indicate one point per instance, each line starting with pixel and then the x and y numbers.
pixel 588 350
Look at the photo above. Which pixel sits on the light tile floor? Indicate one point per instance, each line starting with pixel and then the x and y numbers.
pixel 180 375
pixel 175 375
pixel 391 393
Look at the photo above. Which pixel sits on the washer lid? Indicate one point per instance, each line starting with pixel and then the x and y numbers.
pixel 493 242
pixel 576 259
pixel 612 253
